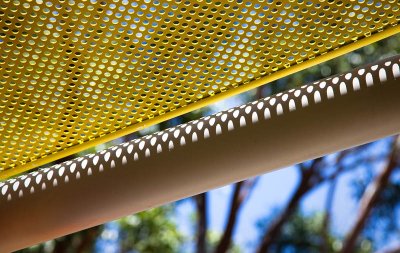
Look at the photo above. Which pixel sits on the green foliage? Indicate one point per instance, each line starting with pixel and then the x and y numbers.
pixel 301 234
pixel 305 234
pixel 150 231
pixel 79 242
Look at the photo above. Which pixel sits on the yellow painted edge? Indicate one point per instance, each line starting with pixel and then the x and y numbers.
pixel 203 102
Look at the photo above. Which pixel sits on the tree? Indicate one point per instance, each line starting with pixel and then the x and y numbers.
pixel 150 231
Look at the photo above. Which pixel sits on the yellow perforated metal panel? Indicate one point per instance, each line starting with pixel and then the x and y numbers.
pixel 77 73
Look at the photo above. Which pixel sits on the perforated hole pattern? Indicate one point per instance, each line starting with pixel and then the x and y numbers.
pixel 73 71
pixel 222 123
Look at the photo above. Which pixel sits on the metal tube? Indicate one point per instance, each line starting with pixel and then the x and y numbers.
pixel 278 131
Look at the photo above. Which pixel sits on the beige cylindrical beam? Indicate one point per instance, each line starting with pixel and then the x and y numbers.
pixel 285 129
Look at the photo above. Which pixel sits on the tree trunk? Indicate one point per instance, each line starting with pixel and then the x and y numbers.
pixel 201 204
pixel 302 189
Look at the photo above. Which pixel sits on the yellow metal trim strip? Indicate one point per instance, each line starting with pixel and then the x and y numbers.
pixel 204 102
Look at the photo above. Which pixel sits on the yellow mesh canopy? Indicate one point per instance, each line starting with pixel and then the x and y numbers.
pixel 74 74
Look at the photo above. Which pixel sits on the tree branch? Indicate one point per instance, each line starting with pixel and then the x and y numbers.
pixel 201 205
pixel 370 198
pixel 62 244
pixel 305 185
pixel 88 239
pixel 236 202
pixel 327 217
pixel 240 193
pixel 332 180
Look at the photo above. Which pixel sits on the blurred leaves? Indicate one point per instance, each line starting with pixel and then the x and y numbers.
pixel 151 231
pixel 302 234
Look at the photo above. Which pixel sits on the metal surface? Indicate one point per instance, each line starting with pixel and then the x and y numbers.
pixel 74 74
pixel 288 128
